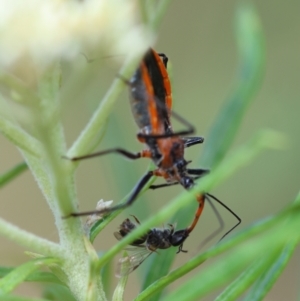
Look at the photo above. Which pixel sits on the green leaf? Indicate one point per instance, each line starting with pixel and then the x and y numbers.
pixel 56 292
pixel 245 280
pixel 48 110
pixel 214 277
pixel 251 68
pixel 159 266
pixel 36 276
pixel 19 274
pixel 18 298
pixel 55 268
pixel 93 277
pixel 12 173
pixel 269 277
pixel 107 276
pixel 20 138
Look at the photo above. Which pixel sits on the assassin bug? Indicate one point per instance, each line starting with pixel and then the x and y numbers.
pixel 151 102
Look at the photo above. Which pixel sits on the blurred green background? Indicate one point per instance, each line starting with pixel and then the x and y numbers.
pixel 199 39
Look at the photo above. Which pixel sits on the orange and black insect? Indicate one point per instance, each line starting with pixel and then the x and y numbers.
pixel 140 249
pixel 151 103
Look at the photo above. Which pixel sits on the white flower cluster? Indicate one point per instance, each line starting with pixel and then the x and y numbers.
pixel 52 29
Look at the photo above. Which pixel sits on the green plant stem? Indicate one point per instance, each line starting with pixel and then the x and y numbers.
pixel 30 240
pixel 144 7
pixel 55 178
pixel 160 11
pixel 20 138
pixel 62 195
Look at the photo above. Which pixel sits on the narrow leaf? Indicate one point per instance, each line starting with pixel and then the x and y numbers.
pixel 56 292
pixel 200 285
pixel 245 280
pixel 20 138
pixel 19 274
pixel 251 52
pixel 18 298
pixel 12 173
pixel 107 275
pixel 267 279
pixel 36 276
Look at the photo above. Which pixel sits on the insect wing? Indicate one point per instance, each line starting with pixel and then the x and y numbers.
pixel 118 235
pixel 135 257
pixel 161 86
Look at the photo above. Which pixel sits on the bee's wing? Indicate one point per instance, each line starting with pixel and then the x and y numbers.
pixel 118 236
pixel 136 256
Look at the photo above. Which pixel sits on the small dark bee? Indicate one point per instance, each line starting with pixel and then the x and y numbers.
pixel 140 249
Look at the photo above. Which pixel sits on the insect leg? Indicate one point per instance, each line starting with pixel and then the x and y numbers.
pixel 198 171
pixel 228 209
pixel 201 201
pixel 190 128
pixel 163 185
pixel 140 185
pixel 180 236
pixel 136 219
pixel 218 230
pixel 176 183
pixel 121 151
pixel 190 141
